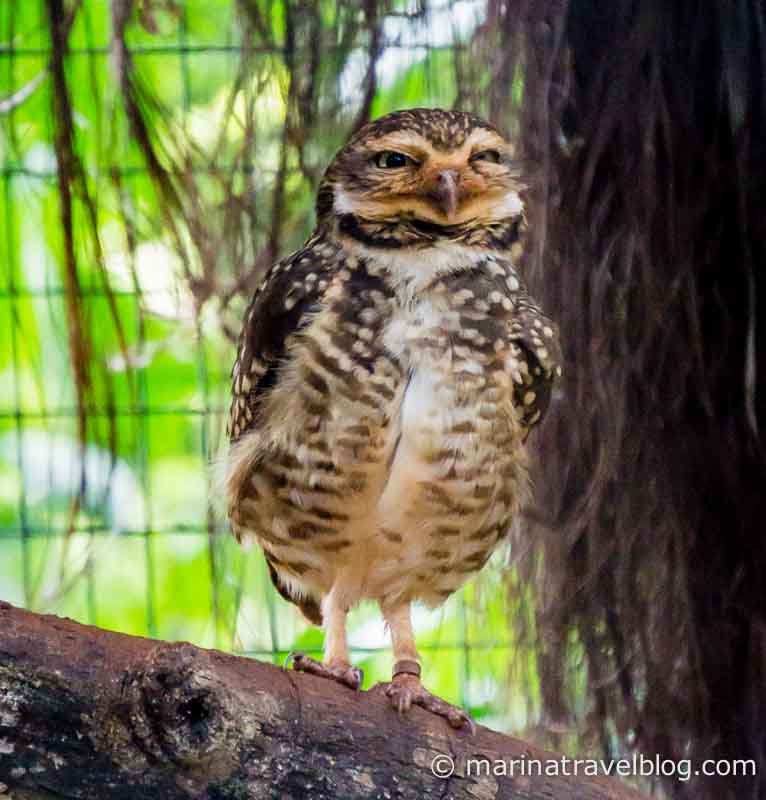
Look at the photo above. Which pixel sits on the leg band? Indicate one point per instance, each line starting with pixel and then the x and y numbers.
pixel 406 667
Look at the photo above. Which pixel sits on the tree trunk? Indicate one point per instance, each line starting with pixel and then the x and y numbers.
pixel 87 713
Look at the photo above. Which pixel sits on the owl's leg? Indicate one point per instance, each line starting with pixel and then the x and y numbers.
pixel 405 689
pixel 336 665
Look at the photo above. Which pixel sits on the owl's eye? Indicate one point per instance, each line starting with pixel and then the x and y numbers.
pixel 390 159
pixel 487 155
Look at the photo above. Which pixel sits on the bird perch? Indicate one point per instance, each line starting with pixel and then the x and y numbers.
pixel 87 713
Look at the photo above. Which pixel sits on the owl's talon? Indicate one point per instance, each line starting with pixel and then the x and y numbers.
pixel 405 691
pixel 401 698
pixel 356 676
pixel 340 673
pixel 292 656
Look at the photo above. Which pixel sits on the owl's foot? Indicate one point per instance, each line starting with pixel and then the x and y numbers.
pixel 406 690
pixel 341 673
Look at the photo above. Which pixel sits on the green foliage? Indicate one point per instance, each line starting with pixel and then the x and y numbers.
pixel 116 530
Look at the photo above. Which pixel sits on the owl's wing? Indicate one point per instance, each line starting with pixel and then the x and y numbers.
pixel 281 307
pixel 535 361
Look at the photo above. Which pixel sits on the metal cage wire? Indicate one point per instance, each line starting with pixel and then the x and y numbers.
pixel 129 539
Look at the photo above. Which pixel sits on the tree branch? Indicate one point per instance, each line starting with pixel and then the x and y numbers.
pixel 87 713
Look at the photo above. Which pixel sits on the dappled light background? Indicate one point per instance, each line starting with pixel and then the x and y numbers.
pixel 156 158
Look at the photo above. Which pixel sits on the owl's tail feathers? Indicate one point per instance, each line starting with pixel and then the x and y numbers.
pixel 308 606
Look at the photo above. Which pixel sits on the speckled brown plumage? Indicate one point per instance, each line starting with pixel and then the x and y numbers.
pixel 387 377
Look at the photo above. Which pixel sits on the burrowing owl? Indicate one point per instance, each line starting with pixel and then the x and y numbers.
pixel 388 374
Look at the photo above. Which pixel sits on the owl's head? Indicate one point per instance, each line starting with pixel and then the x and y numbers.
pixel 428 166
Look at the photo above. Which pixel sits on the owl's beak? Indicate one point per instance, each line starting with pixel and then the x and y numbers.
pixel 447 191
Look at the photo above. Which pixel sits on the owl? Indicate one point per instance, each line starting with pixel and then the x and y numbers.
pixel 387 377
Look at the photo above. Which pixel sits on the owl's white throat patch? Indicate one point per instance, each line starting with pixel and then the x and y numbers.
pixel 412 269
pixel 508 205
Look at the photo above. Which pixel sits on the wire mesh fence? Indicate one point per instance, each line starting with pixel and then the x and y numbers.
pixel 156 157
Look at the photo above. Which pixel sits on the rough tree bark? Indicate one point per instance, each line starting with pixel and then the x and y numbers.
pixel 87 713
